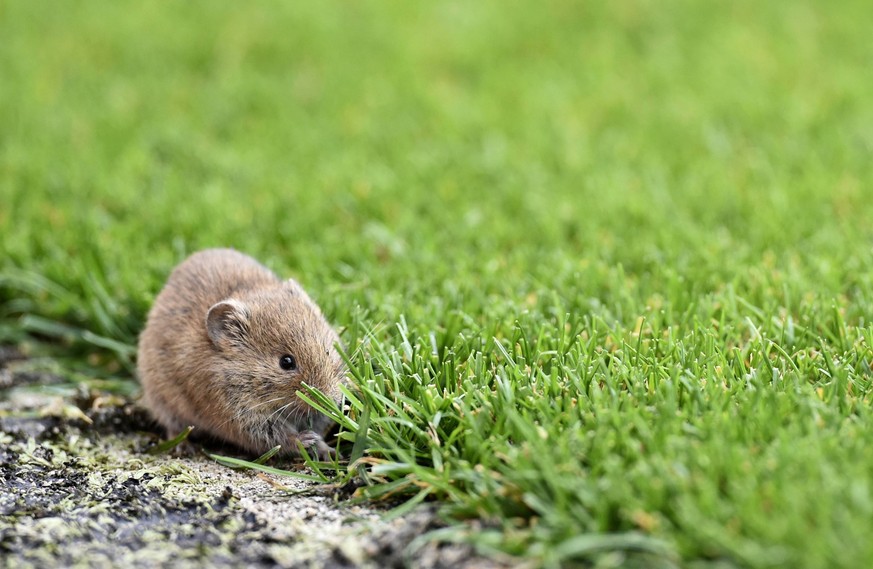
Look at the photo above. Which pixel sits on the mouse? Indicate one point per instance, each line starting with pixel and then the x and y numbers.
pixel 227 347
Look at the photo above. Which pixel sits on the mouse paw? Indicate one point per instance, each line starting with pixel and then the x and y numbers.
pixel 314 445
pixel 185 449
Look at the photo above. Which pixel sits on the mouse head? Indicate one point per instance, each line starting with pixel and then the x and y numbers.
pixel 270 342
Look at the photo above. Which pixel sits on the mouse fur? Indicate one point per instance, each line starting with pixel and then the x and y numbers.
pixel 211 355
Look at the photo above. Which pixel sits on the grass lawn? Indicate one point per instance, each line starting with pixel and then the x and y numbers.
pixel 604 270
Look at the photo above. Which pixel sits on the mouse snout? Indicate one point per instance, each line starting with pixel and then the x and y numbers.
pixel 326 385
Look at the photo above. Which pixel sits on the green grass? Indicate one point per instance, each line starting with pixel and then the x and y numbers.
pixel 605 269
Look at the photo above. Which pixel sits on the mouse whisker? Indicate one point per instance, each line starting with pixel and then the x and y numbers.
pixel 266 421
pixel 242 411
pixel 292 420
pixel 262 403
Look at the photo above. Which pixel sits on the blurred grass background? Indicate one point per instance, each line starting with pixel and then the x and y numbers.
pixel 679 162
pixel 427 140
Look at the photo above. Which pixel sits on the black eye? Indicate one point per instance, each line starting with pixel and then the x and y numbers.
pixel 287 362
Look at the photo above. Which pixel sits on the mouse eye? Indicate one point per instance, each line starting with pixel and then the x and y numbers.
pixel 287 362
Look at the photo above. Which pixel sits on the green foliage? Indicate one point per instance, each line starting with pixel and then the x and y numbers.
pixel 170 444
pixel 604 270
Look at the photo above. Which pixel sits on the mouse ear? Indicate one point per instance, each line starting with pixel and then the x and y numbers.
pixel 294 288
pixel 227 319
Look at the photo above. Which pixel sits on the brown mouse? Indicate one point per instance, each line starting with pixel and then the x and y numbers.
pixel 226 348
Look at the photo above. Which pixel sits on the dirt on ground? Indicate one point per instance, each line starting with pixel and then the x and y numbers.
pixel 79 488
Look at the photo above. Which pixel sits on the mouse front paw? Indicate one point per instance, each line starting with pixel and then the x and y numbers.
pixel 185 449
pixel 314 445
